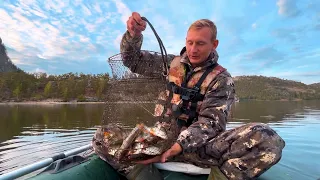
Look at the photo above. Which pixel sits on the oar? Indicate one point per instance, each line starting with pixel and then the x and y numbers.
pixel 41 164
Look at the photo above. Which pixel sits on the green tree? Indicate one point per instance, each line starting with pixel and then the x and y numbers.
pixel 101 87
pixel 17 92
pixel 65 94
pixel 48 90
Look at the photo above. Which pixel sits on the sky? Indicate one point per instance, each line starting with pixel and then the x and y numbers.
pixel 274 38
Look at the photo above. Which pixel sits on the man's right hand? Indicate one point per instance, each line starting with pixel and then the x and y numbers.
pixel 135 25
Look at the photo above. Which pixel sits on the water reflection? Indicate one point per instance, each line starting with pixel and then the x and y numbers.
pixel 270 111
pixel 33 132
pixel 18 118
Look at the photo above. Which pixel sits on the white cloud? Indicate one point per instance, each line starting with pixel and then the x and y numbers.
pixel 123 10
pixel 35 10
pixel 97 8
pixel 52 67
pixel 146 9
pixel 163 24
pixel 40 56
pixel 86 10
pixel 287 8
pixel 90 27
pixel 100 20
pixel 306 53
pixel 21 58
pixel 254 3
pixel 315 55
pixel 117 41
pixel 303 66
pixel 28 2
pixel 291 73
pixel 39 70
pixel 77 2
pixel 69 12
pixel 84 39
pixel 10 37
pixel 20 61
pixel 56 5
pixel 254 25
pixel 53 37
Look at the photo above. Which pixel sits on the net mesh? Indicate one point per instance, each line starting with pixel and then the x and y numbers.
pixel 130 106
pixel 130 127
pixel 131 97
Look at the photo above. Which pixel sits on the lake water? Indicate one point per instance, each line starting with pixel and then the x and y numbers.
pixel 29 133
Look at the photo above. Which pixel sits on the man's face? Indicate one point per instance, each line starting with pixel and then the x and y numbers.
pixel 199 44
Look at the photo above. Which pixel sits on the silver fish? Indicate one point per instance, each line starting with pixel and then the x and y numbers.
pixel 128 141
pixel 125 147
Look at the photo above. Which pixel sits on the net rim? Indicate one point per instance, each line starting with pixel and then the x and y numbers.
pixel 112 58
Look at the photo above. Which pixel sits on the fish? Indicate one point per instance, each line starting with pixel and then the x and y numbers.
pixel 123 147
pixel 128 141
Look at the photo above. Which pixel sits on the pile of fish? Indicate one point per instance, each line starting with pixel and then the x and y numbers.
pixel 121 147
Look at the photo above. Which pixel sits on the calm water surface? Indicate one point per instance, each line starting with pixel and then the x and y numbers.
pixel 29 133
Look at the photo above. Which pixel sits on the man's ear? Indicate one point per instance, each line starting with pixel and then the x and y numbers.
pixel 215 43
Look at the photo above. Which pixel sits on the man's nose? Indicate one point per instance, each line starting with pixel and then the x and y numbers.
pixel 194 48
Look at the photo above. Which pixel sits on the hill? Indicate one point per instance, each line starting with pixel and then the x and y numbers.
pixel 272 88
pixel 5 63
pixel 315 85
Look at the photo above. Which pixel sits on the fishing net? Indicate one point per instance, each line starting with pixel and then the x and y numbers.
pixel 132 127
pixel 132 97
pixel 136 85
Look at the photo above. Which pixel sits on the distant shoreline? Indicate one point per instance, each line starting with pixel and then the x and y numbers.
pixel 47 102
pixel 59 102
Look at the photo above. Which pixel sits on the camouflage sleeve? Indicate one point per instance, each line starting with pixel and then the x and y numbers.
pixel 139 61
pixel 213 115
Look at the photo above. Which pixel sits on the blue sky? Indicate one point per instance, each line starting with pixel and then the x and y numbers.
pixel 278 38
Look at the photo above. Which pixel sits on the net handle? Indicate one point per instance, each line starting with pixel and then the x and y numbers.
pixel 162 48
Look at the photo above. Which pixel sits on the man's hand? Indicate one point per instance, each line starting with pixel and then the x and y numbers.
pixel 152 160
pixel 135 25
pixel 174 150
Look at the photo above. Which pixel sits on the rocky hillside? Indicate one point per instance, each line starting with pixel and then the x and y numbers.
pixel 5 63
pixel 315 86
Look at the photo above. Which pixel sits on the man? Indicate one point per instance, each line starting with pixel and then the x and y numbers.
pixel 241 153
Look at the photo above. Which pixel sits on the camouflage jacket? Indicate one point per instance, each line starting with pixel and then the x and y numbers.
pixel 218 97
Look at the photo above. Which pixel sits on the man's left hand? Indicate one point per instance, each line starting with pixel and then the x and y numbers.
pixel 174 150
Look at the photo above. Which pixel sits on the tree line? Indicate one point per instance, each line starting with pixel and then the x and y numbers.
pixel 21 86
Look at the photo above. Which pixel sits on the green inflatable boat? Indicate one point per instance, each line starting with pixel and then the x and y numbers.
pixel 70 165
pixel 95 168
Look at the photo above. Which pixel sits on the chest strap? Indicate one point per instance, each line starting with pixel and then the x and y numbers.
pixel 188 95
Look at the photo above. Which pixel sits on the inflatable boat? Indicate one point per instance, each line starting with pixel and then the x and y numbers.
pixel 71 165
